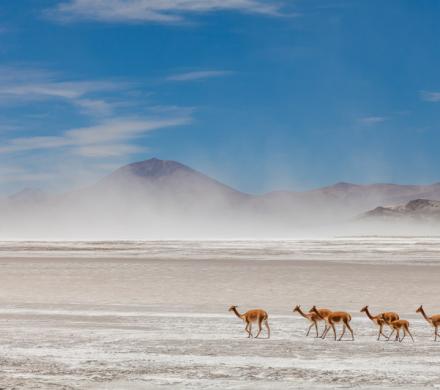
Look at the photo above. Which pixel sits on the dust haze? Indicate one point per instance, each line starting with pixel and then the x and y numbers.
pixel 158 199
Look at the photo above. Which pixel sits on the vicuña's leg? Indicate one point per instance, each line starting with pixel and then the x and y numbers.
pixel 351 330
pixel 342 333
pixel 435 332
pixel 326 330
pixel 316 328
pixel 397 334
pixel 334 329
pixel 381 332
pixel 266 322
pixel 260 320
pixel 247 329
pixel 404 334
pixel 250 330
pixel 388 338
pixel 310 327
pixel 410 335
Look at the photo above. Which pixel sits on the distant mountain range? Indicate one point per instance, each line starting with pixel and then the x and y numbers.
pixel 418 209
pixel 162 196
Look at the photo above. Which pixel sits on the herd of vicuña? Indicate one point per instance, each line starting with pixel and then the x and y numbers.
pixel 388 319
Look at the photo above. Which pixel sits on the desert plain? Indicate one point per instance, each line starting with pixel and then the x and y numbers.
pixel 151 315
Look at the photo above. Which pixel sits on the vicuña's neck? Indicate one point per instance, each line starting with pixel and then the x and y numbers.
pixel 315 310
pixel 367 312
pixel 237 313
pixel 299 310
pixel 424 315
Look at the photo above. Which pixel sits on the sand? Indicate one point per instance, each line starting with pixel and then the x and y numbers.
pixel 141 323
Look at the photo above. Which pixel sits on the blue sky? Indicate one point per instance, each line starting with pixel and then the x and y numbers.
pixel 260 94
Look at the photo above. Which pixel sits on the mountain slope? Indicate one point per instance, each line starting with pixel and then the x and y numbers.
pixel 421 209
pixel 344 200
pixel 28 195
pixel 164 175
pixel 165 186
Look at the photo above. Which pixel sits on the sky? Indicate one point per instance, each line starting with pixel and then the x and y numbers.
pixel 262 95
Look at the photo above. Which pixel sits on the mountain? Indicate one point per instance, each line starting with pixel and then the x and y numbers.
pixel 390 193
pixel 172 180
pixel 418 209
pixel 28 199
pixel 164 185
pixel 28 195
pixel 149 199
pixel 161 199
pixel 171 177
pixel 341 201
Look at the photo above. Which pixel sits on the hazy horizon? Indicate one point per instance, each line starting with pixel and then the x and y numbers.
pixel 157 199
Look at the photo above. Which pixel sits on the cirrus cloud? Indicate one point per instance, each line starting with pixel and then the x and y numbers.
pixel 198 75
pixel 105 139
pixel 113 118
pixel 159 11
pixel 372 120
pixel 430 96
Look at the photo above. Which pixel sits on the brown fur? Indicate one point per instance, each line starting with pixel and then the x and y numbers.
pixel 313 318
pixel 400 324
pixel 381 319
pixel 334 318
pixel 257 315
pixel 434 320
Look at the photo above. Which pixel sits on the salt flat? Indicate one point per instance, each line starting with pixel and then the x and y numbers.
pixel 147 322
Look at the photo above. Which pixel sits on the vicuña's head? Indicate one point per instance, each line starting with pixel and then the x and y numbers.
pixel 296 308
pixel 313 309
pixel 365 308
pixel 419 309
pixel 232 308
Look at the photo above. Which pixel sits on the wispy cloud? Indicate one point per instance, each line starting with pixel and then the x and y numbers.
pixel 109 138
pixel 198 75
pixel 26 85
pixel 95 106
pixel 66 90
pixel 430 96
pixel 115 115
pixel 372 120
pixel 159 11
